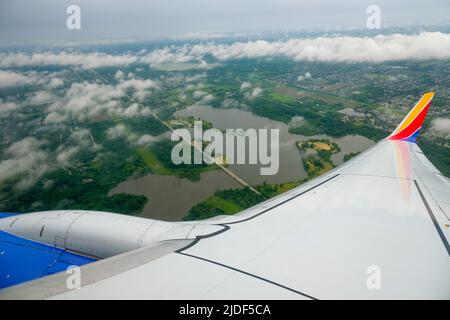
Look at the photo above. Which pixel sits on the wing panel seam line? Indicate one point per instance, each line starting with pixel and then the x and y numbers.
pixel 374 176
pixel 282 202
pixel 226 226
pixel 251 275
pixel 433 219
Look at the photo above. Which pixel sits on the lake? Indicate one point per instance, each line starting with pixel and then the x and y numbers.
pixel 170 198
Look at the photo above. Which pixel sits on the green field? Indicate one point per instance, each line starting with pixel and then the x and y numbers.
pixel 152 161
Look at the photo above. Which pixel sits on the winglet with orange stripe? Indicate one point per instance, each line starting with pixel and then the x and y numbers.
pixel 409 128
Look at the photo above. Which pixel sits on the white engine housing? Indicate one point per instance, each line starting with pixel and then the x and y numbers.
pixel 99 234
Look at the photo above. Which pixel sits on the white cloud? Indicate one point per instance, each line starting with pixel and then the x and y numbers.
pixel 64 156
pixel 41 97
pixel 84 60
pixel 207 99
pixel 199 94
pixel 87 101
pixel 245 85
pixel 84 101
pixel 131 111
pixel 166 55
pixel 135 110
pixel 82 138
pixel 307 75
pixel 7 107
pixel 119 75
pixel 423 46
pixel 10 79
pixel 54 117
pixel 254 94
pixel 79 140
pixel 203 64
pixel 121 132
pixel 80 135
pixel 141 87
pixel 25 157
pixel 441 125
pixel 116 132
pixel 196 77
pixel 29 160
pixel 55 83
pixel 297 121
pixel 146 140
pixel 230 103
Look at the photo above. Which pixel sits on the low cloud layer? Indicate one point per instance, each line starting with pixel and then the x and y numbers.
pixel 424 46
pixel 11 79
pixel 84 60
pixel 396 47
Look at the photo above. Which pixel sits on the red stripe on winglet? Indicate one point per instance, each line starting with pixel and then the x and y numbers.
pixel 416 124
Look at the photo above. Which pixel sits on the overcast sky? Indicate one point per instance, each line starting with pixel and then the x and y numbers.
pixel 44 20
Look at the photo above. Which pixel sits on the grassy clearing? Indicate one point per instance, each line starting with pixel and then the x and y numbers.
pixel 279 97
pixel 152 162
pixel 298 93
pixel 227 206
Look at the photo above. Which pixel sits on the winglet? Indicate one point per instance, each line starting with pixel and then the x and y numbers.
pixel 409 128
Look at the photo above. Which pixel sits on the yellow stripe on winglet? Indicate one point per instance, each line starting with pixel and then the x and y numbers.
pixel 414 112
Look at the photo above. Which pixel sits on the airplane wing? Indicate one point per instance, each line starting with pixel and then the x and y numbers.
pixel 376 227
